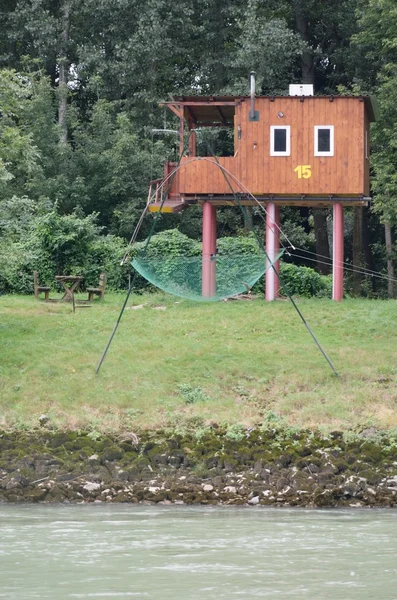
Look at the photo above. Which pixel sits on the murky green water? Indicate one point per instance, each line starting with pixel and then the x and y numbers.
pixel 121 551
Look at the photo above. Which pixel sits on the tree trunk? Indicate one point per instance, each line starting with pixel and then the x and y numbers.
pixel 307 66
pixel 358 256
pixel 302 27
pixel 368 257
pixel 63 73
pixel 322 244
pixel 390 263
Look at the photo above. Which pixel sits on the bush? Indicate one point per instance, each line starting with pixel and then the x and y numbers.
pixel 54 244
pixel 303 281
pixel 60 245
pixel 168 248
pixel 172 245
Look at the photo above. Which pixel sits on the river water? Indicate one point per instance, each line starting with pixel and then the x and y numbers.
pixel 182 553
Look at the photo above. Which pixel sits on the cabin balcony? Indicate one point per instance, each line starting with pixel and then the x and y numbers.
pixel 195 177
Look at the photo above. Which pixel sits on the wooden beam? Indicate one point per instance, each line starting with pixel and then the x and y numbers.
pixel 223 118
pixel 176 111
pixel 181 130
pixel 211 124
pixel 202 103
pixel 193 135
pixel 192 115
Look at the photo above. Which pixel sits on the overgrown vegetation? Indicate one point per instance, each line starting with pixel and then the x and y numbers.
pixel 189 365
pixel 53 244
pixel 80 84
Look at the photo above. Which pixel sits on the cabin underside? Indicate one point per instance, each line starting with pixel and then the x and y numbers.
pixel 176 205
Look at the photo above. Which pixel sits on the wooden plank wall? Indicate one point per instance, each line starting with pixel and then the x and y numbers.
pixel 204 176
pixel 345 173
pixel 366 154
pixel 341 174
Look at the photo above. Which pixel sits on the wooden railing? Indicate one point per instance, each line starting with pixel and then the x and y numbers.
pixel 203 176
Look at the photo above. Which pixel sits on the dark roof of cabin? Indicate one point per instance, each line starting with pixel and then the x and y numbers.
pixel 219 110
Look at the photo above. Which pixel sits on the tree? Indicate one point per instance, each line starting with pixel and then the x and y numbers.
pixel 377 42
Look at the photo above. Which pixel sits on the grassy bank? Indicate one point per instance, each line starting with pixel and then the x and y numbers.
pixel 174 361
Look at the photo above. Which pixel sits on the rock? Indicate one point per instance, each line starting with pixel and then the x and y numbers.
pixel 229 464
pixel 59 439
pixel 254 500
pixel 284 460
pixel 326 498
pixel 217 481
pixel 91 486
pixel 122 497
pixel 207 487
pixel 368 433
pixel 230 489
pixel 43 420
pixel 392 481
pixel 35 495
pixel 112 453
pixel 175 461
pixel 264 474
pixel 12 484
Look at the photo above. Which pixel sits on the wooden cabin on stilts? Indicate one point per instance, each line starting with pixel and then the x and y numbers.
pixel 297 150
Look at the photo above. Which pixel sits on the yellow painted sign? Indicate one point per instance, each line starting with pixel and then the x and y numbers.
pixel 303 171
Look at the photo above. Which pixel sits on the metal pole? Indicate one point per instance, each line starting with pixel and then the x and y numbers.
pixel 252 109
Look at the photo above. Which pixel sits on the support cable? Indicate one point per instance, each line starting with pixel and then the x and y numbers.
pixel 130 287
pixel 244 189
pixel 347 266
pixel 260 242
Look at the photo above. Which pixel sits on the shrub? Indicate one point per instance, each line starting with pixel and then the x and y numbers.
pixel 172 245
pixel 191 394
pixel 53 244
pixel 168 248
pixel 303 281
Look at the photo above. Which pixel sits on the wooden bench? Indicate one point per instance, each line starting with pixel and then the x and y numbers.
pixel 39 289
pixel 98 291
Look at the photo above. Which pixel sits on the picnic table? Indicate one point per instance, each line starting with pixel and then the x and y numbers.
pixel 69 284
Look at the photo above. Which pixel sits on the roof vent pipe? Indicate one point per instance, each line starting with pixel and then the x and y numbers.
pixel 253 115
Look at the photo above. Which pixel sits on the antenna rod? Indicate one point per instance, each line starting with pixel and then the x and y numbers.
pixel 252 110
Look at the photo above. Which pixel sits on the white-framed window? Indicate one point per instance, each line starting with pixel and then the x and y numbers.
pixel 280 140
pixel 323 140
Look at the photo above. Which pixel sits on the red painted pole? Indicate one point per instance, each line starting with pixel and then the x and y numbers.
pixel 277 250
pixel 213 250
pixel 207 250
pixel 272 249
pixel 337 259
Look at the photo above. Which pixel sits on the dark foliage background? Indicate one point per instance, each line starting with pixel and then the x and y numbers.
pixel 80 84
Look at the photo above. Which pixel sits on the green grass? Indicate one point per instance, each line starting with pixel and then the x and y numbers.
pixel 234 362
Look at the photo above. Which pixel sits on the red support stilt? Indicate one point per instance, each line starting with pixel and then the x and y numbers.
pixel 277 250
pixel 337 271
pixel 272 249
pixel 209 250
pixel 213 250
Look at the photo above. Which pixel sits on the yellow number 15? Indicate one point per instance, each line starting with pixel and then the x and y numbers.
pixel 304 171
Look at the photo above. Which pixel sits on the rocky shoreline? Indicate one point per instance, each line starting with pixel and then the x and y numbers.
pixel 213 465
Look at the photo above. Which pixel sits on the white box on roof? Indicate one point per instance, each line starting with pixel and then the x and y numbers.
pixel 301 89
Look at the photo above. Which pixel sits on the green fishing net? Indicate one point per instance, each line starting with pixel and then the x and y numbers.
pixel 182 275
